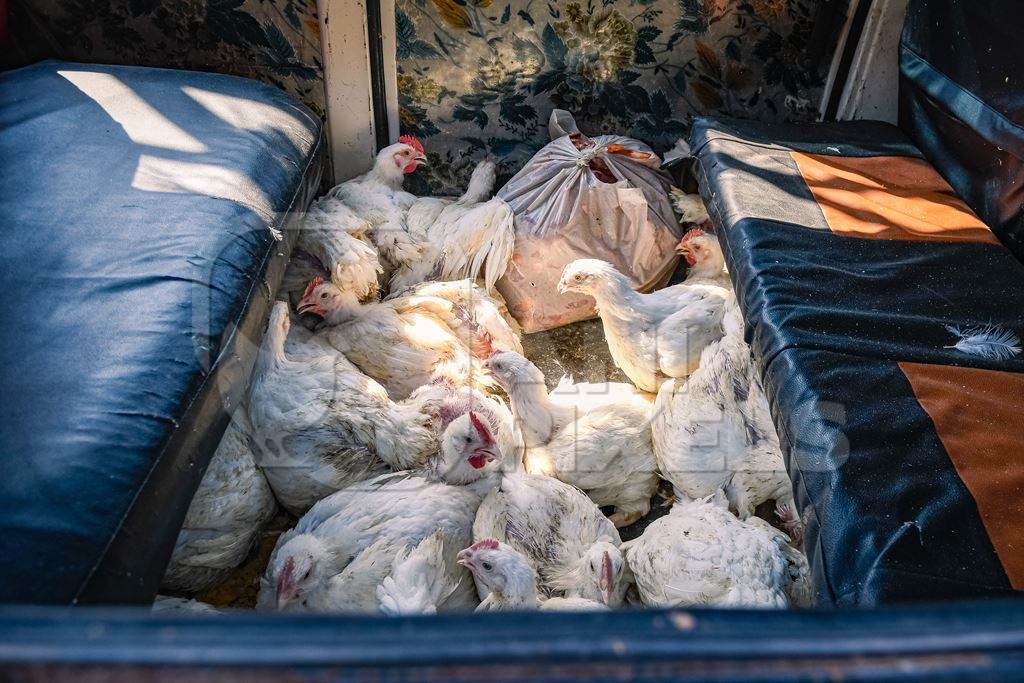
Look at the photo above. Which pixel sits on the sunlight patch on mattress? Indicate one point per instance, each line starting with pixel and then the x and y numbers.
pixel 143 124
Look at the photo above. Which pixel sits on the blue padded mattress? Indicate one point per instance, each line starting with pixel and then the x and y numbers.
pixel 141 219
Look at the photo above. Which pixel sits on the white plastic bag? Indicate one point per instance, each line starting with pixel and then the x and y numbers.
pixel 581 197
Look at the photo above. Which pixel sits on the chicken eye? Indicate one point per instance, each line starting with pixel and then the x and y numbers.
pixel 579 278
pixel 324 295
pixel 487 566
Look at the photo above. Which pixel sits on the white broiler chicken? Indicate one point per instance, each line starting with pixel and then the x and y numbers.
pixel 402 344
pixel 596 437
pixel 701 554
pixel 713 431
pixel 573 547
pixel 651 337
pixel 471 236
pixel 342 550
pixel 510 583
pixel 689 207
pixel 378 197
pixel 333 244
pixel 319 424
pixel 425 211
pixel 490 417
pixel 704 257
pixel 474 315
pixel 231 506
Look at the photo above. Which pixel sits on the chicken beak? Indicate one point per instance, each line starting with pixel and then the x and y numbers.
pixel 422 158
pixel 606 579
pixel 563 288
pixel 488 453
pixel 463 559
pixel 286 589
pixel 310 307
pixel 683 250
pixel 282 600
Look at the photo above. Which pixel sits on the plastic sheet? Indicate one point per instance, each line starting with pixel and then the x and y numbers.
pixel 582 197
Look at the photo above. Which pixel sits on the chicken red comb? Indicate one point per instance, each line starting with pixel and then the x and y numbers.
pixel 690 234
pixel 313 284
pixel 488 543
pixel 481 428
pixel 412 142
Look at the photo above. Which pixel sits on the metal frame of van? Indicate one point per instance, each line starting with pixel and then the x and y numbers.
pixel 961 642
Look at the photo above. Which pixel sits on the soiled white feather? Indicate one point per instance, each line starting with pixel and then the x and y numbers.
pixel 990 341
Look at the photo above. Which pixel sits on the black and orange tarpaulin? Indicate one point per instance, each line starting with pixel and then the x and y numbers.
pixel 853 259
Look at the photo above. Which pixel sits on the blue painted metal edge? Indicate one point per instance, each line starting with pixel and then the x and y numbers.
pixel 136 637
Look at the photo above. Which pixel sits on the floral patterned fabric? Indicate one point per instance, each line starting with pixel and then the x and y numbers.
pixel 477 76
pixel 482 76
pixel 277 41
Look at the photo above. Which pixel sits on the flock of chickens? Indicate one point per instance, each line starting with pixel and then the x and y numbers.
pixel 431 468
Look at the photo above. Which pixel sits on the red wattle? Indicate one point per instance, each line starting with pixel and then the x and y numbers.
pixel 477 461
pixel 410 168
pixel 689 259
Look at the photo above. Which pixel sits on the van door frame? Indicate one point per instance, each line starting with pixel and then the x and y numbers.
pixel 358 42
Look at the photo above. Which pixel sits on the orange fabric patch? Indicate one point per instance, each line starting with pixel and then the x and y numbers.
pixel 898 198
pixel 977 417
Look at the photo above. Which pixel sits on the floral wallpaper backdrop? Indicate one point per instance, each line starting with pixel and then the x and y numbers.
pixel 277 41
pixel 477 77
pixel 481 77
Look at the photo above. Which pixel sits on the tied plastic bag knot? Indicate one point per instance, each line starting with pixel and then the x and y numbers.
pixel 587 155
